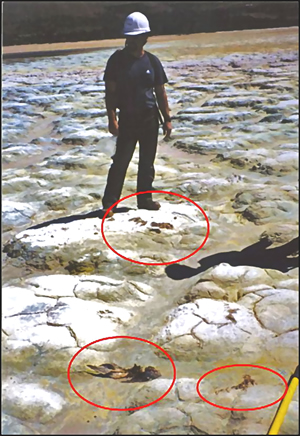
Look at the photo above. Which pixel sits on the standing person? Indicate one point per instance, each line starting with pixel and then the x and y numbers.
pixel 131 76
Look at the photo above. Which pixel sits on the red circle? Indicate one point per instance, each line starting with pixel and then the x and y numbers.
pixel 230 366
pixel 123 337
pixel 161 192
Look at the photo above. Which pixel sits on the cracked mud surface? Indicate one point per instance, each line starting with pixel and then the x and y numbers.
pixel 235 153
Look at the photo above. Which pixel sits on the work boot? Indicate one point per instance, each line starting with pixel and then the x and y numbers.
pixel 149 205
pixel 110 213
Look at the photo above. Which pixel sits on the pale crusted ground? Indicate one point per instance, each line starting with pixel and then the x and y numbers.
pixel 231 313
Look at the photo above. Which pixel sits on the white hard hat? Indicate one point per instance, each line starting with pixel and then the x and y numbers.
pixel 136 24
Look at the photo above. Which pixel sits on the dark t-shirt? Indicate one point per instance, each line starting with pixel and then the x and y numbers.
pixel 135 78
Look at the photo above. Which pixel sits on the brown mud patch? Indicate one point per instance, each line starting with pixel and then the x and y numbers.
pixel 211 43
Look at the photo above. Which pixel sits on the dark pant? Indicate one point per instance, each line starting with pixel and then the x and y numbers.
pixel 143 128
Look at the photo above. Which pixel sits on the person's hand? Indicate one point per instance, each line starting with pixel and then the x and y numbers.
pixel 113 127
pixel 167 129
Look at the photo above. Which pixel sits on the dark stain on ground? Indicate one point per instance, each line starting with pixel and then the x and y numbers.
pixel 138 220
pixel 246 383
pixel 128 375
pixel 155 230
pixel 162 225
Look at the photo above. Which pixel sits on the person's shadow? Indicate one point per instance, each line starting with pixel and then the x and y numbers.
pixel 254 255
pixel 99 213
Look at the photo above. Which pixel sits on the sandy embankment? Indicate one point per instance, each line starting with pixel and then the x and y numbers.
pixel 211 42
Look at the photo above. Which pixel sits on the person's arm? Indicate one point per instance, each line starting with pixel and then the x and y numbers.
pixel 163 104
pixel 111 105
